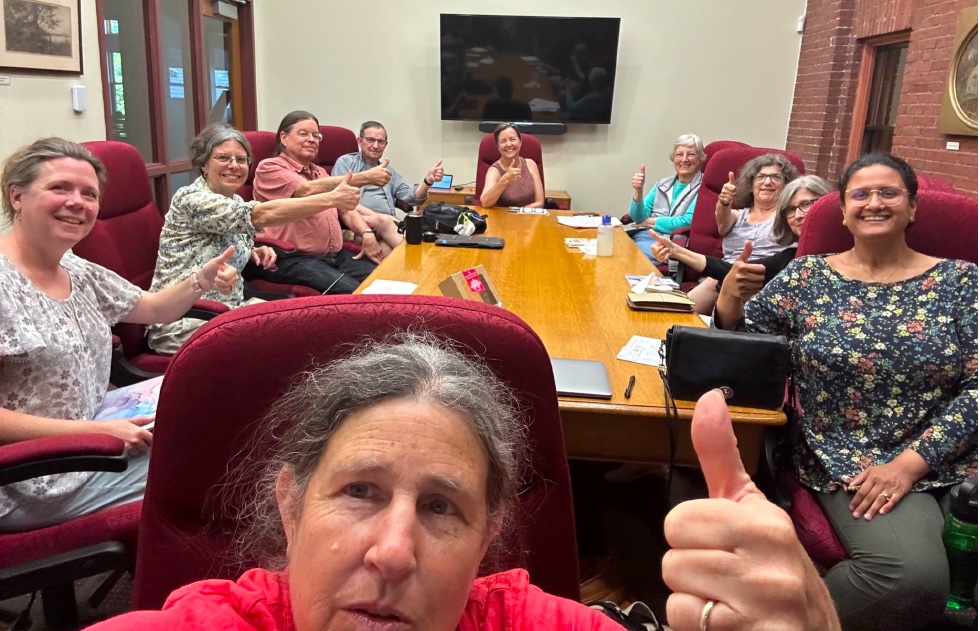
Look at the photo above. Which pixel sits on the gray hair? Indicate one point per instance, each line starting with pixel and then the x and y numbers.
pixel 781 232
pixel 212 136
pixel 24 165
pixel 744 196
pixel 412 366
pixel 689 140
pixel 366 125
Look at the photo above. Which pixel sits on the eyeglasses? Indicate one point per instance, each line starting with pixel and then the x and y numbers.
pixel 222 158
pixel 889 195
pixel 776 178
pixel 803 208
pixel 315 135
pixel 381 142
pixel 685 155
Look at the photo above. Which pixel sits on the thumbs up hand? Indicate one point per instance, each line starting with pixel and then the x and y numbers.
pixel 728 191
pixel 379 175
pixel 737 548
pixel 639 179
pixel 436 172
pixel 217 274
pixel 745 279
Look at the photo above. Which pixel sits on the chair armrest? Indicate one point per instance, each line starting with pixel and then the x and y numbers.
pixel 251 292
pixel 29 459
pixel 681 237
pixel 405 206
pixel 275 243
pixel 471 200
pixel 352 246
pixel 122 372
pixel 206 309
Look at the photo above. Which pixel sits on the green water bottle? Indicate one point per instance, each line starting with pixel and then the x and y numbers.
pixel 960 539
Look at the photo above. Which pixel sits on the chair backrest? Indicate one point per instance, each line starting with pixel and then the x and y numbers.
pixel 945 226
pixel 712 148
pixel 263 145
pixel 126 234
pixel 201 430
pixel 929 182
pixel 704 236
pixel 488 154
pixel 336 142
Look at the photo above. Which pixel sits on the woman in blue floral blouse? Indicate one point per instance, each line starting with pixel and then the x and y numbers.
pixel 884 343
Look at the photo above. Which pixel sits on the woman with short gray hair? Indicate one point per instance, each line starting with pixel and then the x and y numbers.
pixel 669 206
pixel 207 216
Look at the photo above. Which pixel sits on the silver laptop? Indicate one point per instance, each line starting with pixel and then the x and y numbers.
pixel 581 378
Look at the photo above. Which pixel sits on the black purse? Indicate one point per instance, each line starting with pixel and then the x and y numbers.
pixel 442 218
pixel 753 367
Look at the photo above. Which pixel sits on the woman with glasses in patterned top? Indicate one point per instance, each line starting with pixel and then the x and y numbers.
pixel 795 202
pixel 207 216
pixel 884 351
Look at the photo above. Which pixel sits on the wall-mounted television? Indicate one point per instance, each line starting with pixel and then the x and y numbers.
pixel 535 69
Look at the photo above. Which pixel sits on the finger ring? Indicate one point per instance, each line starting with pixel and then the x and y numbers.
pixel 886 496
pixel 705 612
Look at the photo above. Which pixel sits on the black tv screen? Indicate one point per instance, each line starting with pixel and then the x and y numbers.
pixel 516 68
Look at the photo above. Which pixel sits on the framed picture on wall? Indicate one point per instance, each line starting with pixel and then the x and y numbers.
pixel 958 115
pixel 40 36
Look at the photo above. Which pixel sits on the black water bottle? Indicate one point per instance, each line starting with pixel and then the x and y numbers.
pixel 960 539
pixel 413 228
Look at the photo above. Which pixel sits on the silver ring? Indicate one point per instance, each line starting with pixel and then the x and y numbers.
pixel 886 496
pixel 705 612
pixel 728 392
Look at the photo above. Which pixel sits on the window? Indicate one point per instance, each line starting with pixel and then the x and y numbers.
pixel 171 67
pixel 878 92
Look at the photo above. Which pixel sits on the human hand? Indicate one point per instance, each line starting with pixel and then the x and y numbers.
pixel 663 248
pixel 379 175
pixel 745 279
pixel 881 487
pixel 639 178
pixel 130 431
pixel 345 197
pixel 728 191
pixel 217 274
pixel 371 248
pixel 736 548
pixel 264 257
pixel 435 173
pixel 511 174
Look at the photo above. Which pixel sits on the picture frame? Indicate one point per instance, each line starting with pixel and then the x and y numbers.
pixel 958 114
pixel 41 36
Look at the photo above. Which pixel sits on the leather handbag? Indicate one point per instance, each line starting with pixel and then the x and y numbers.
pixel 753 367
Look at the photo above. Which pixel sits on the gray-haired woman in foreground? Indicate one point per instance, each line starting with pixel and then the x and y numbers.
pixel 207 216
pixel 394 474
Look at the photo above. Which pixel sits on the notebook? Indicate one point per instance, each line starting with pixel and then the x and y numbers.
pixel 673 301
pixel 581 378
pixel 444 184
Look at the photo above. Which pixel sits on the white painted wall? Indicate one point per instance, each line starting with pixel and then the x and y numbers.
pixel 33 106
pixel 721 69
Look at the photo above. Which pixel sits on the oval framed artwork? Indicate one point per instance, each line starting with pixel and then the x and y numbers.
pixel 958 115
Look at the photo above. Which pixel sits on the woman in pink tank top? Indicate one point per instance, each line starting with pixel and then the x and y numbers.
pixel 512 180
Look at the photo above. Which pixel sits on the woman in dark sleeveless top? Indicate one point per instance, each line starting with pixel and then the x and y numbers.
pixel 512 180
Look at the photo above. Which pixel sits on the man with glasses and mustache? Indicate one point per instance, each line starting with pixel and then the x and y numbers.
pixel 318 259
pixel 372 141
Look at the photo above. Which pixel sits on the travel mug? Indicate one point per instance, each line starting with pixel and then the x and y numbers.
pixel 413 228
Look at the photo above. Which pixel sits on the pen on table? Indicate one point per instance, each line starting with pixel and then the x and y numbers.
pixel 629 386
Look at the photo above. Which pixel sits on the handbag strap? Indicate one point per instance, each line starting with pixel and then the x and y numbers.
pixel 670 410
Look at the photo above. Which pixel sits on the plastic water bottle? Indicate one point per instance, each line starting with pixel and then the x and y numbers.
pixel 604 241
pixel 960 539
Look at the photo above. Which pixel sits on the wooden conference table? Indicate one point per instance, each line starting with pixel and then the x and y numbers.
pixel 577 305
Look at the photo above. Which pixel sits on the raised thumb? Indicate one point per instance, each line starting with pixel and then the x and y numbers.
pixel 384 165
pixel 643 169
pixel 746 252
pixel 347 180
pixel 717 449
pixel 731 178
pixel 661 239
pixel 225 256
pixel 438 164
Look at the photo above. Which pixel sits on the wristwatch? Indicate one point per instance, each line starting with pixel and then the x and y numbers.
pixel 427 182
pixel 367 231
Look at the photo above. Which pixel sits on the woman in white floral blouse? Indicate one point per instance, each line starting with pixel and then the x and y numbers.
pixel 55 314
pixel 884 343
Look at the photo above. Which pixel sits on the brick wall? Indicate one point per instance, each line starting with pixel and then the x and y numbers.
pixel 823 102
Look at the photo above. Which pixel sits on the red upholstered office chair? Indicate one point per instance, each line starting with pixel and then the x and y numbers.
pixel 488 154
pixel 51 559
pixel 190 455
pixel 929 182
pixel 263 145
pixel 704 237
pixel 125 240
pixel 945 227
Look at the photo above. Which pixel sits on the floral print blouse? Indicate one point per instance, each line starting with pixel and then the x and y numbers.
pixel 55 355
pixel 879 368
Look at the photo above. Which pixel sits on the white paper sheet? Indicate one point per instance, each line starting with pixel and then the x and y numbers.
pixel 642 350
pixel 390 287
pixel 584 221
